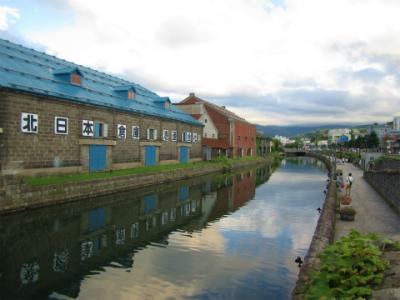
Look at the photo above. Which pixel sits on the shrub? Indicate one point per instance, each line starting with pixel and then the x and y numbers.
pixel 348 211
pixel 349 268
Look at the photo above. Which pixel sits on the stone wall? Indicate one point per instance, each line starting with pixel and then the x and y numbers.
pixel 386 164
pixel 323 235
pixel 46 149
pixel 387 184
pixel 15 195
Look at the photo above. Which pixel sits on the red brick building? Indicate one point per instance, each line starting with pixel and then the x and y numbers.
pixel 225 133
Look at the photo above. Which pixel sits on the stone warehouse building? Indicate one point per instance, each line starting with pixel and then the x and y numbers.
pixel 224 133
pixel 59 117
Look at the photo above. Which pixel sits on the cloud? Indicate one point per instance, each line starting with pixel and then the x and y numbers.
pixel 8 15
pixel 307 57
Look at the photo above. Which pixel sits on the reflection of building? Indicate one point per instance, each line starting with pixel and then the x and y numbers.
pixel 224 132
pixel 262 174
pixel 244 188
pixel 53 249
pixel 63 247
pixel 56 116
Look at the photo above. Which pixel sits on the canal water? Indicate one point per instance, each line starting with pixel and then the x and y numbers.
pixel 217 237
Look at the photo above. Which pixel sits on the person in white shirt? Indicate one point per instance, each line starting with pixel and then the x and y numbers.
pixel 349 184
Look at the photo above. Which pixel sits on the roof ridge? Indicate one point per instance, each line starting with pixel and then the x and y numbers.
pixel 82 87
pixel 221 109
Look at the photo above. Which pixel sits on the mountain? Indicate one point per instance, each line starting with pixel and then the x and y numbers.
pixel 290 131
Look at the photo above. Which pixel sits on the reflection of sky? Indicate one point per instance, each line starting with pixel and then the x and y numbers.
pixel 247 255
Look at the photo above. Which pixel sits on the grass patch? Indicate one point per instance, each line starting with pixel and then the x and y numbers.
pixel 60 179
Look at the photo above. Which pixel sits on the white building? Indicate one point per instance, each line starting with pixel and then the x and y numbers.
pixel 284 140
pixel 381 131
pixel 199 112
pixel 322 143
pixel 335 134
pixel 396 123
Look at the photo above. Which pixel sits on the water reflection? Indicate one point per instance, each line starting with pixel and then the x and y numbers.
pixel 181 240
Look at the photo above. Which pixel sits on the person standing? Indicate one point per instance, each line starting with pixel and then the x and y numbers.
pixel 349 184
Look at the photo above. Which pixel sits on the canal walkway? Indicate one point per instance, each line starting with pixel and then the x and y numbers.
pixel 373 214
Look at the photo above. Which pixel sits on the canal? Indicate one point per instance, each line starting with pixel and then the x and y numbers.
pixel 224 236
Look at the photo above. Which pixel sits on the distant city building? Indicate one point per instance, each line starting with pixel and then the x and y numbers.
pixel 396 123
pixel 367 158
pixel 339 135
pixel 381 130
pixel 284 140
pixel 322 143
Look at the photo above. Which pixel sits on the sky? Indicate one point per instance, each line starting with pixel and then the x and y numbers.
pixel 274 62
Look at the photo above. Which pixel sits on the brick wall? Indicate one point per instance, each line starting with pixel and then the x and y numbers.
pixel 46 149
pixel 244 138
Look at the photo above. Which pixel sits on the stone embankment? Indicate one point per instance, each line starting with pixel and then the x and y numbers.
pixel 16 195
pixel 323 235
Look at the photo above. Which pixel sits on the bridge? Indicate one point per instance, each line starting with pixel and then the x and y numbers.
pixel 294 152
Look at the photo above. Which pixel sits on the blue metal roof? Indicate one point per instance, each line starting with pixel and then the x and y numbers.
pixel 31 71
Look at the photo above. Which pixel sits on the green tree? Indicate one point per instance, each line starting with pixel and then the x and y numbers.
pixel 372 140
pixel 276 145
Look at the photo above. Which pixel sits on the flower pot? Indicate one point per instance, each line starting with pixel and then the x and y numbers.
pixel 346 200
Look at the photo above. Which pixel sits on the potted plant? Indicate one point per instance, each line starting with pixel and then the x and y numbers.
pixel 345 200
pixel 347 213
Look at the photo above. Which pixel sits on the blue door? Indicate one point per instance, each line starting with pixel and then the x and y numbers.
pixel 97 158
pixel 97 219
pixel 150 203
pixel 184 155
pixel 150 156
pixel 183 193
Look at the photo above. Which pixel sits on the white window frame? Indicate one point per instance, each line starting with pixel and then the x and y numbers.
pixel 56 118
pixel 133 131
pixel 188 137
pixel 105 130
pixel 155 134
pixel 165 135
pixel 194 137
pixel 124 136
pixel 174 135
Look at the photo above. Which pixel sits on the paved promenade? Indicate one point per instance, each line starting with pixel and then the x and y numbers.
pixel 373 214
